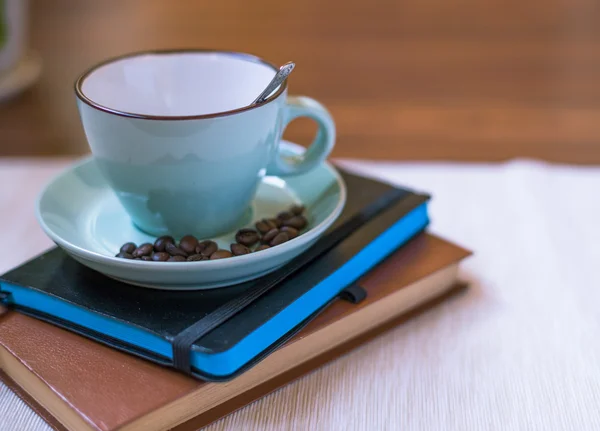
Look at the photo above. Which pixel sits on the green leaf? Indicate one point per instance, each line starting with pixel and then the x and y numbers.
pixel 3 24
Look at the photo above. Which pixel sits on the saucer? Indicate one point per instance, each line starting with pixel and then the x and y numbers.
pixel 82 215
pixel 24 74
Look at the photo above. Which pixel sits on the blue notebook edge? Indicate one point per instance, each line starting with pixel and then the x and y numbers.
pixel 228 362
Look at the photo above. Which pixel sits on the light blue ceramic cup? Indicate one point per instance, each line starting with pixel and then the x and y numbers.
pixel 175 136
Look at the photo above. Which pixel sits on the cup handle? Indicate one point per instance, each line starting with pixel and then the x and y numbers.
pixel 301 106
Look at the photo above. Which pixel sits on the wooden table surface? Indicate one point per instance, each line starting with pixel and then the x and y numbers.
pixel 412 79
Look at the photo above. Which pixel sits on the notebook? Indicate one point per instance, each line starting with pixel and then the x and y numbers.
pixel 217 334
pixel 79 384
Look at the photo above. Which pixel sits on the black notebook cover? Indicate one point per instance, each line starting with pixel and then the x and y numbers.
pixel 219 325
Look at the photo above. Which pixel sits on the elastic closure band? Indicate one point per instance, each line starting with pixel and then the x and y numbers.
pixel 182 342
pixel 3 302
pixel 354 294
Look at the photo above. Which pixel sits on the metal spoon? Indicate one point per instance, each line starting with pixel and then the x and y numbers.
pixel 279 77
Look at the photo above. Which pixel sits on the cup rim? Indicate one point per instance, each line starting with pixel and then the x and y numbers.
pixel 246 56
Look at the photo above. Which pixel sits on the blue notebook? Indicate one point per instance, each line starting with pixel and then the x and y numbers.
pixel 217 334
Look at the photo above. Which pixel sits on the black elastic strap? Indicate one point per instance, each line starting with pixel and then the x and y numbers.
pixel 3 302
pixel 353 293
pixel 182 342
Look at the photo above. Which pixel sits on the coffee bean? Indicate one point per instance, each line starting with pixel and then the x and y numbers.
pixel 176 259
pixel 173 250
pixel 128 247
pixel 284 215
pixel 188 244
pixel 220 254
pixel 298 222
pixel 161 256
pixel 196 257
pixel 280 238
pixel 291 231
pixel 239 249
pixel 207 247
pixel 160 243
pixel 143 250
pixel 276 222
pixel 263 226
pixel 268 237
pixel 297 209
pixel 247 237
pixel 270 232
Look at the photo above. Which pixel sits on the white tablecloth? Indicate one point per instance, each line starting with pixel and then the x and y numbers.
pixel 520 351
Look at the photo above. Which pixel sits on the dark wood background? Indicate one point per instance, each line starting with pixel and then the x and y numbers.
pixel 405 80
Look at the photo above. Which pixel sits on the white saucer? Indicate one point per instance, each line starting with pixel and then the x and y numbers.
pixel 81 214
pixel 22 76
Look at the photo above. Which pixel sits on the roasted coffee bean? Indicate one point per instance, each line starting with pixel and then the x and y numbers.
pixel 173 250
pixel 284 215
pixel 125 255
pixel 297 209
pixel 207 247
pixel 291 231
pixel 160 243
pixel 161 256
pixel 280 238
pixel 143 250
pixel 239 249
pixel 220 254
pixel 268 237
pixel 128 248
pixel 276 222
pixel 176 259
pixel 188 244
pixel 196 257
pixel 298 222
pixel 263 226
pixel 247 237
pixel 269 232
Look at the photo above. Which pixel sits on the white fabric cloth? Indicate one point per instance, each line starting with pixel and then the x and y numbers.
pixel 520 351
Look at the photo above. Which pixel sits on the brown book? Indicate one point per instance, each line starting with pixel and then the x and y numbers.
pixel 78 384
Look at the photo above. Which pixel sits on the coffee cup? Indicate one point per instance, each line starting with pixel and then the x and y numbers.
pixel 176 136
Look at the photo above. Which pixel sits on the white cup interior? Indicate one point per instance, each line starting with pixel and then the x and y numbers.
pixel 178 83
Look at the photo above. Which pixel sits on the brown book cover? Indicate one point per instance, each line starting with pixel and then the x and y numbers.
pixel 91 386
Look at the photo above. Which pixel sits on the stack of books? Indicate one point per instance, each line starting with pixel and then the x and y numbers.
pixel 88 352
